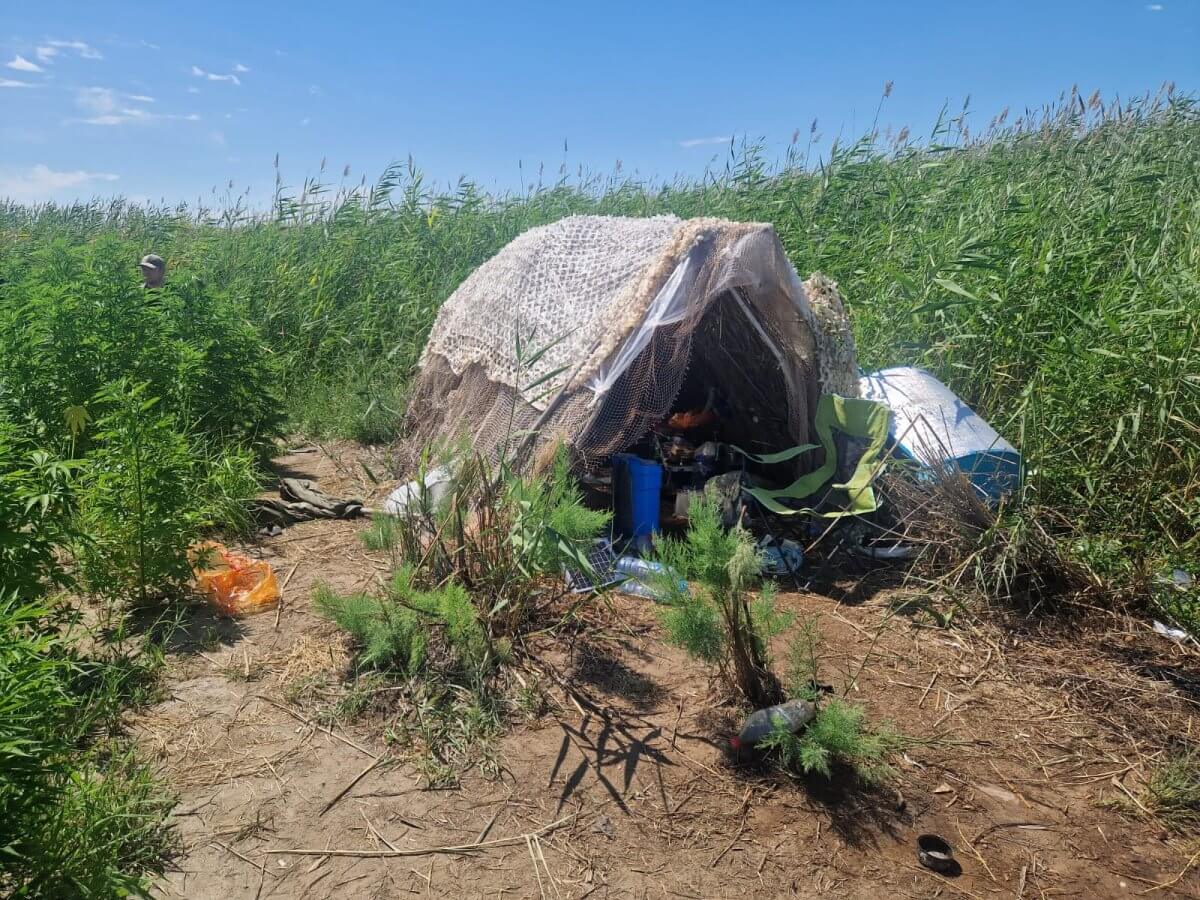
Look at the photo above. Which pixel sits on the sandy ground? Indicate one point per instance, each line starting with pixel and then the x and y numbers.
pixel 622 788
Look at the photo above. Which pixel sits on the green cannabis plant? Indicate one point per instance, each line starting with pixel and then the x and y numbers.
pixel 140 499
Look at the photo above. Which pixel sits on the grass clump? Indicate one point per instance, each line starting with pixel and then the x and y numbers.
pixel 80 816
pixel 481 568
pixel 1172 792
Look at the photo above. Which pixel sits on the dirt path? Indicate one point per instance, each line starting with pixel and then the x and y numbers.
pixel 1018 742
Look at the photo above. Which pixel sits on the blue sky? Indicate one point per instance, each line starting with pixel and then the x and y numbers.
pixel 168 100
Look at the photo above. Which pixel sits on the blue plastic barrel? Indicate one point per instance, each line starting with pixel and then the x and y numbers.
pixel 637 489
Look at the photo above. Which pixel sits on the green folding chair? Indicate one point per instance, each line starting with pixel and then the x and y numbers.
pixel 866 420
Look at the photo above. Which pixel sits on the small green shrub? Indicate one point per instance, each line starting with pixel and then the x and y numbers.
pixel 804 661
pixel 388 634
pixel 141 499
pixel 715 620
pixel 838 734
pixel 401 628
pixel 504 538
pixel 382 533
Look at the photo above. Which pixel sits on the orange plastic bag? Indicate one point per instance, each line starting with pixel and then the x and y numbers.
pixel 233 583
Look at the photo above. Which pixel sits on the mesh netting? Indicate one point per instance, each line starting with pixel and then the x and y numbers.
pixel 610 312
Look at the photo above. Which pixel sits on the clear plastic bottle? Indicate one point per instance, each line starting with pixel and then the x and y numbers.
pixel 643 577
pixel 793 716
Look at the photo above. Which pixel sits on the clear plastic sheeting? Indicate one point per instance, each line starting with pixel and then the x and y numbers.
pixel 669 307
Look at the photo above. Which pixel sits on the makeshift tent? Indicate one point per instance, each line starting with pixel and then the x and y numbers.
pixel 592 329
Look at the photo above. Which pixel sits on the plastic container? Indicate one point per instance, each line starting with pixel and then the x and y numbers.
pixel 637 493
pixel 931 425
pixel 235 584
pixel 793 716
pixel 643 577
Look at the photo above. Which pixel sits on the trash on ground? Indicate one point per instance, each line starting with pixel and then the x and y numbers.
pixel 645 578
pixel 683 503
pixel 1175 634
pixel 301 500
pixel 931 425
pixel 934 852
pixel 629 574
pixel 602 561
pixel 792 715
pixel 780 558
pixel 1180 579
pixel 233 583
pixel 894 551
pixel 425 493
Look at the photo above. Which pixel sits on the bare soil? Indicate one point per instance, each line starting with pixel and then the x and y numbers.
pixel 1022 741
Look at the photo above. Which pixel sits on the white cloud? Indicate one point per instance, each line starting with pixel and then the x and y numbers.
pixel 315 90
pixel 41 182
pixel 193 90
pixel 699 142
pixel 218 138
pixel 9 83
pixel 96 99
pixel 305 120
pixel 240 69
pixel 21 64
pixel 213 76
pixel 1154 7
pixel 51 49
pixel 107 108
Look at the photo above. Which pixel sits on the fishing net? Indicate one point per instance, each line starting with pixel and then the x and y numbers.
pixel 583 332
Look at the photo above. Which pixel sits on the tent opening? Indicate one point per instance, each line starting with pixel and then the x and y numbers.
pixel 729 386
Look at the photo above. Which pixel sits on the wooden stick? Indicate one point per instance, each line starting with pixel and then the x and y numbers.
pixel 295 715
pixel 247 859
pixel 425 851
pixel 491 822
pixel 928 688
pixel 375 831
pixel 1174 881
pixel 357 778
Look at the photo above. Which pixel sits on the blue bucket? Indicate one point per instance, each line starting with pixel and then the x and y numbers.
pixel 637 491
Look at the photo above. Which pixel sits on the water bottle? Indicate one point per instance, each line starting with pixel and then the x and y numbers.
pixel 793 716
pixel 642 577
